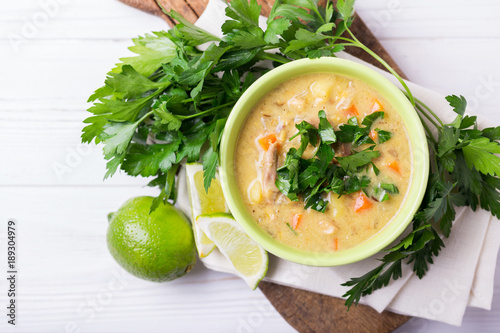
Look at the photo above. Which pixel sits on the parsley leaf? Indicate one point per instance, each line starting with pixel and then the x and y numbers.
pixel 191 146
pixel 250 38
pixel 353 162
pixel 290 12
pixel 370 119
pixel 116 137
pixel 274 29
pixel 287 179
pixel 490 195
pixel 149 160
pixel 310 175
pixel 492 133
pixel 114 110
pixel 480 154
pixel 131 84
pixel 305 38
pixel 216 135
pixel 391 188
pixel 153 50
pixel 447 140
pixel 172 121
pixel 166 182
pixel 325 129
pixel 354 183
pixel 383 136
pixel 246 12
pixel 346 9
pixel 308 133
pixel 352 132
pixel 458 104
pixel 468 180
pixel 193 34
pixel 210 161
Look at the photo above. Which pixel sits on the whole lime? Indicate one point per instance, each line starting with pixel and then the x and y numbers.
pixel 156 247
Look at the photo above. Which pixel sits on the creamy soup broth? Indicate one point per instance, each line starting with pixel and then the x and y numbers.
pixel 340 227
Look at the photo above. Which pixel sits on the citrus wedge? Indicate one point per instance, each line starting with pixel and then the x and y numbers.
pixel 248 258
pixel 203 203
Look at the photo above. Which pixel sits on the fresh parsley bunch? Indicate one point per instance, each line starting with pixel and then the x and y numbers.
pixel 464 172
pixel 170 102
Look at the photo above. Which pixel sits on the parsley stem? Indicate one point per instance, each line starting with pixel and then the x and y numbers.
pixel 202 97
pixel 162 8
pixel 294 232
pixel 431 112
pixel 384 63
pixel 420 107
pixel 414 101
pixel 335 38
pixel 315 8
pixel 206 111
pixel 430 136
pixel 145 116
pixel 348 44
pixel 156 76
pixel 426 115
pixel 273 57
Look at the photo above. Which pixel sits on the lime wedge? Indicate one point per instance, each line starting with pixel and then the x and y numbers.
pixel 246 256
pixel 203 203
pixel 213 201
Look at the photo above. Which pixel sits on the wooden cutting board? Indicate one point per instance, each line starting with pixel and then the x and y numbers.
pixel 304 310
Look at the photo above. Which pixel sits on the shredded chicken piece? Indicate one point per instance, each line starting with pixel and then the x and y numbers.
pixel 343 101
pixel 269 172
pixel 326 226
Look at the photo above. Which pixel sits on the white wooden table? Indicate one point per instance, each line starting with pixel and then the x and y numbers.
pixel 54 53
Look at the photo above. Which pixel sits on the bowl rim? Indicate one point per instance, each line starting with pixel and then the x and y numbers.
pixel 418 147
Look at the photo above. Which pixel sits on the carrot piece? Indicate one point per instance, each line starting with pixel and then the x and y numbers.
pixel 336 244
pixel 296 219
pixel 267 140
pixel 377 106
pixel 362 202
pixel 394 165
pixel 373 135
pixel 352 111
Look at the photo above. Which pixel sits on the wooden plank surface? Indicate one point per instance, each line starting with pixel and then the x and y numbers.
pixel 304 310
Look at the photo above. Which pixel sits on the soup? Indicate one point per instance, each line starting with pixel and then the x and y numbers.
pixel 264 142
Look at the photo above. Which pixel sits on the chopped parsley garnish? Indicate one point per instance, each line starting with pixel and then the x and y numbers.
pixel 312 179
pixel 291 229
pixel 383 136
pixel 382 191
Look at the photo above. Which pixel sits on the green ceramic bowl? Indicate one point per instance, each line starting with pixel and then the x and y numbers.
pixel 419 151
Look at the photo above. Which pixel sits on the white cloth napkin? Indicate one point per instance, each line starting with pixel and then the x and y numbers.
pixel 463 273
